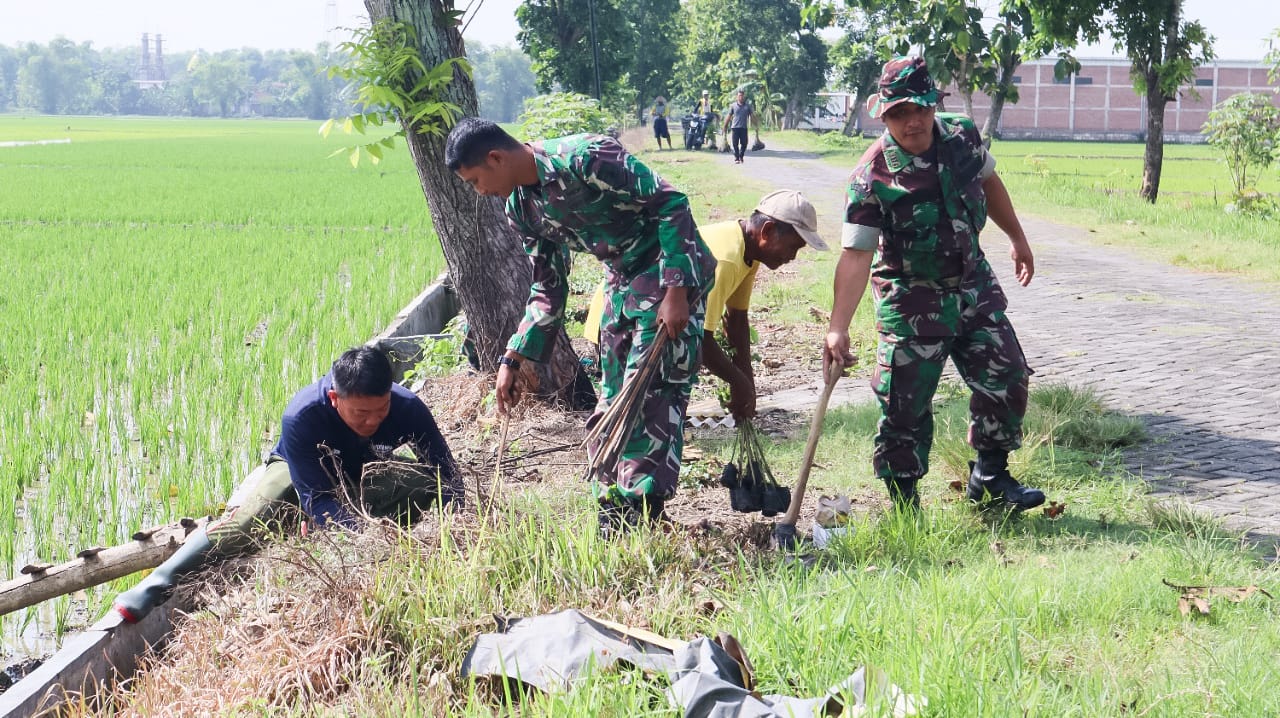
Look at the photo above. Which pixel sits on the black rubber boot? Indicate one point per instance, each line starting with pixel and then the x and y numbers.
pixel 990 484
pixel 651 508
pixel 904 493
pixel 616 518
pixel 134 605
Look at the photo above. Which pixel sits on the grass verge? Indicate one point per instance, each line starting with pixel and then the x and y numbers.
pixel 983 613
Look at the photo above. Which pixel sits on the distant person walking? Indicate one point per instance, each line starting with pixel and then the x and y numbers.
pixel 740 113
pixel 659 115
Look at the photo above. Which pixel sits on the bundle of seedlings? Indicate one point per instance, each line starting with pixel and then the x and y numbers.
pixel 611 433
pixel 747 476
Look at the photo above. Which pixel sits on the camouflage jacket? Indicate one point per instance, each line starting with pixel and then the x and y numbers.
pixel 593 196
pixel 927 210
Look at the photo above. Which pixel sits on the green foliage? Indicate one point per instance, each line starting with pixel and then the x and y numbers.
pixel 63 77
pixel 562 113
pixel 1245 128
pixel 1163 47
pixel 775 55
pixel 837 140
pixel 442 354
pixel 557 37
pixel 393 86
pixel 1273 56
pixel 504 80
pixel 218 81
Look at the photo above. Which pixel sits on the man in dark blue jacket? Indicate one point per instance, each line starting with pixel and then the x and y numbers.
pixel 352 417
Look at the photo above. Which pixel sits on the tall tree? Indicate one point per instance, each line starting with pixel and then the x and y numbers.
pixel 487 266
pixel 856 58
pixel 220 81
pixel 774 52
pixel 655 25
pixel 54 78
pixel 1164 50
pixel 8 77
pixel 556 34
pixel 504 79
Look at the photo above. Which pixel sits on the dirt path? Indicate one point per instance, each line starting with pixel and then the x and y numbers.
pixel 1193 355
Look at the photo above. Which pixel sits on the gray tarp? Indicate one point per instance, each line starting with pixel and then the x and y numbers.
pixel 550 652
pixel 707 683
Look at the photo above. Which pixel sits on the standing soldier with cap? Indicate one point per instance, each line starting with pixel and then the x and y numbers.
pixel 585 193
pixel 916 203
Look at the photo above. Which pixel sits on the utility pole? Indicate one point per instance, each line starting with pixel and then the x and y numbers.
pixel 595 46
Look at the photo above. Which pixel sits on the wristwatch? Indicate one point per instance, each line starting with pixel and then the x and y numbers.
pixel 513 363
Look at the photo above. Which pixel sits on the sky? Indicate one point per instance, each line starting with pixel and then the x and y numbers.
pixel 1240 26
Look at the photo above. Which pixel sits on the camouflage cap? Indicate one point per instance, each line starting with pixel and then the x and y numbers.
pixel 904 79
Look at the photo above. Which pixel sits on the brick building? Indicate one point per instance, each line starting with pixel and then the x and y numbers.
pixel 1099 103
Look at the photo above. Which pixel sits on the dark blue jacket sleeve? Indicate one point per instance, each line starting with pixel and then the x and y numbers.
pixel 317 492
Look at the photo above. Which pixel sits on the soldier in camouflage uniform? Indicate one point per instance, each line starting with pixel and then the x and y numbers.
pixel 916 203
pixel 586 193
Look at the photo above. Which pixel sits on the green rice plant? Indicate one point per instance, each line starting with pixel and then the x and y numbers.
pixel 180 279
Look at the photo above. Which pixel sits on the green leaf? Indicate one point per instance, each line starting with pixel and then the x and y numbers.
pixel 347 125
pixel 357 122
pixel 354 157
pixel 326 128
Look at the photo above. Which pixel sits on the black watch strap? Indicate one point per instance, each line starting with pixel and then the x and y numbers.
pixel 513 363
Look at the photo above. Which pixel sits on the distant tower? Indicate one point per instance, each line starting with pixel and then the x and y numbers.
pixel 160 74
pixel 150 71
pixel 330 23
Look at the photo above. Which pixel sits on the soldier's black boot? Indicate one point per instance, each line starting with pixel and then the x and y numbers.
pixel 134 605
pixel 903 493
pixel 651 507
pixel 990 483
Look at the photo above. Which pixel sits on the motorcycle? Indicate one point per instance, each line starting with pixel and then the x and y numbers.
pixel 695 131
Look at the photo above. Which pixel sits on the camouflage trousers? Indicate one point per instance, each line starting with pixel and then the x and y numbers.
pixel 650 461
pixel 989 359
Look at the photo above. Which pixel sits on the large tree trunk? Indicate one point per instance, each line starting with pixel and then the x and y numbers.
pixel 998 96
pixel 1153 156
pixel 791 118
pixel 487 266
pixel 853 123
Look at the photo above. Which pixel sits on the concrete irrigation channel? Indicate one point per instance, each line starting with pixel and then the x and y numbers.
pixel 108 652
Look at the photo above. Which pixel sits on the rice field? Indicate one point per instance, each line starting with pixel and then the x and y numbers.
pixel 1188 171
pixel 167 285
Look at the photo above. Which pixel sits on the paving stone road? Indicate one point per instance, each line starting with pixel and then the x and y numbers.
pixel 1193 355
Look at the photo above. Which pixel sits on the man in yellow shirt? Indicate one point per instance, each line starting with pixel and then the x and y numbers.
pixel 782 223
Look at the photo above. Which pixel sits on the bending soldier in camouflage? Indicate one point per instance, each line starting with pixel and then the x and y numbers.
pixel 916 203
pixel 586 193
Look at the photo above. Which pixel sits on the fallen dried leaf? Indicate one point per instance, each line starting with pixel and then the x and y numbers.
pixel 1199 595
pixel 1054 509
pixel 820 315
pixel 957 486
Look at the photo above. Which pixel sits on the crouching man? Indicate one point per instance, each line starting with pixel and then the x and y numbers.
pixel 352 416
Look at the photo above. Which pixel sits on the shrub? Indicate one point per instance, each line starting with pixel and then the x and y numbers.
pixel 1245 128
pixel 562 113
